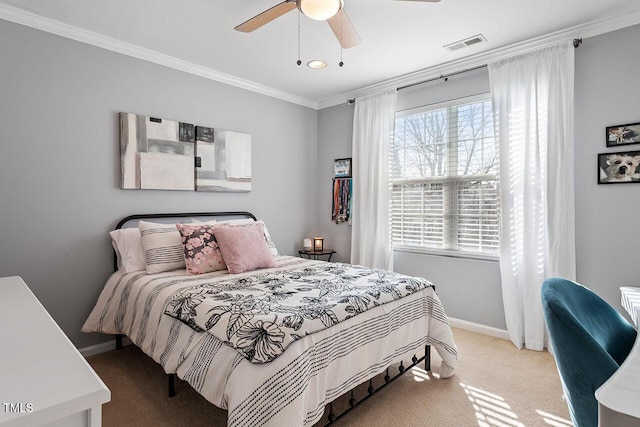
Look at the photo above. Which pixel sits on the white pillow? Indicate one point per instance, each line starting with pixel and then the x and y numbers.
pixel 162 247
pixel 128 246
pixel 267 236
pixel 209 222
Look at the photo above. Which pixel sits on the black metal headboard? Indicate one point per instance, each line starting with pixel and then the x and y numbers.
pixel 136 217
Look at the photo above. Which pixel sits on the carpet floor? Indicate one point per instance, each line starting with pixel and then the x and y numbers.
pixel 495 385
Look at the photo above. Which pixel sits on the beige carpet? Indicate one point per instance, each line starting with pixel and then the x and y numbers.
pixel 495 385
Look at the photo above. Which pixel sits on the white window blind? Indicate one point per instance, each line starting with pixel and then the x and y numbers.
pixel 444 178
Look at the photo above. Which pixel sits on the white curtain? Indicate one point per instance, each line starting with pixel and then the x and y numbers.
pixel 533 114
pixel 373 124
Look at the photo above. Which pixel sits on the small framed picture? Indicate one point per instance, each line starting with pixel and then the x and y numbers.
pixel 342 168
pixel 615 168
pixel 623 134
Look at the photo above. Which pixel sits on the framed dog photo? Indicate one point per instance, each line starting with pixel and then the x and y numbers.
pixel 342 168
pixel 623 134
pixel 617 168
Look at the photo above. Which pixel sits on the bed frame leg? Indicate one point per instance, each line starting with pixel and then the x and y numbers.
pixel 332 416
pixel 119 342
pixel 387 380
pixel 172 384
pixel 427 357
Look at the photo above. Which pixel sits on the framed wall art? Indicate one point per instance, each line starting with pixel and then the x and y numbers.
pixel 621 167
pixel 161 154
pixel 342 168
pixel 623 134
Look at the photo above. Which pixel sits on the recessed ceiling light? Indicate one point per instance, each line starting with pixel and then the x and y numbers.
pixel 316 64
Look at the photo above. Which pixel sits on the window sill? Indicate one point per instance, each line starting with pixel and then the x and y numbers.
pixel 445 253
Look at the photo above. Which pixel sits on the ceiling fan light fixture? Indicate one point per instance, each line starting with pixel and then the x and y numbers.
pixel 320 10
pixel 316 64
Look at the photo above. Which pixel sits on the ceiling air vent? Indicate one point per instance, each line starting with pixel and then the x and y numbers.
pixel 466 42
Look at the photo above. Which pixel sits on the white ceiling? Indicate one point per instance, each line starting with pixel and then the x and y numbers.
pixel 398 37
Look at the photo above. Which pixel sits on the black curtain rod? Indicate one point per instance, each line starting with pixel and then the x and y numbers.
pixel 441 76
pixel 444 77
pixel 576 43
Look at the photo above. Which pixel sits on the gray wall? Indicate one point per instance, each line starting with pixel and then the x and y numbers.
pixel 607 216
pixel 59 167
pixel 335 131
pixel 607 220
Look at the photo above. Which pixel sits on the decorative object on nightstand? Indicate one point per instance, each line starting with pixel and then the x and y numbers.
pixel 318 244
pixel 313 249
pixel 306 244
pixel 315 254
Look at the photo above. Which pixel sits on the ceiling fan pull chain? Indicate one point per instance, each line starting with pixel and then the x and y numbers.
pixel 341 49
pixel 299 61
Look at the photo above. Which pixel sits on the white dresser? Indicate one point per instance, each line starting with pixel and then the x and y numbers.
pixel 619 397
pixel 44 380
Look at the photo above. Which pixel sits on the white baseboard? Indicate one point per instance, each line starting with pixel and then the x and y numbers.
pixel 481 329
pixel 102 347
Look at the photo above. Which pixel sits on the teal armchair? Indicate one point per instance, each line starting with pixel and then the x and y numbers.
pixel 590 340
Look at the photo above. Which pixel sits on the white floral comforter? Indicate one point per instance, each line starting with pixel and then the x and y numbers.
pixel 293 388
pixel 261 315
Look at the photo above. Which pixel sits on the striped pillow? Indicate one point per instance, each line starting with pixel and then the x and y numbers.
pixel 162 247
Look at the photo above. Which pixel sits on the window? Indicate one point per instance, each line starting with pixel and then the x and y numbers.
pixel 444 179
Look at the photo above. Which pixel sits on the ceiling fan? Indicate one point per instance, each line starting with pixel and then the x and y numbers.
pixel 331 11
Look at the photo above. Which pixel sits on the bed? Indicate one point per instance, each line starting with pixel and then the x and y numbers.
pixel 273 345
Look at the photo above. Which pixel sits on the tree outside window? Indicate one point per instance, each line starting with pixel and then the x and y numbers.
pixel 444 178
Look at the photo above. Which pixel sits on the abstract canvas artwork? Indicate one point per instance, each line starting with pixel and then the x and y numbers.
pixel 165 154
pixel 223 161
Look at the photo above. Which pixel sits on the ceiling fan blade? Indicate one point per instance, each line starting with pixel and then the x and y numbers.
pixel 344 30
pixel 266 16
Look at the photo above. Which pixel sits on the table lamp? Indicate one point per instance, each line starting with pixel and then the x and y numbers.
pixel 318 243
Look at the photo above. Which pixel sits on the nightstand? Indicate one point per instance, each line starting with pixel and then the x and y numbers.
pixel 315 254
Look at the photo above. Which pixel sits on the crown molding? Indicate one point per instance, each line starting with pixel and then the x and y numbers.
pixel 583 31
pixel 591 29
pixel 22 17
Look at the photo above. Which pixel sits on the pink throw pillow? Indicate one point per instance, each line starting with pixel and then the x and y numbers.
pixel 201 251
pixel 244 247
